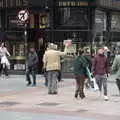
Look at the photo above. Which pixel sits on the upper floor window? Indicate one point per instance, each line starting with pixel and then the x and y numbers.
pixel 115 22
pixel 72 17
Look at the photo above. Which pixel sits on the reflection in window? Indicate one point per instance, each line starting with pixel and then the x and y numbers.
pixel 115 22
pixel 44 20
pixel 100 21
pixel 72 16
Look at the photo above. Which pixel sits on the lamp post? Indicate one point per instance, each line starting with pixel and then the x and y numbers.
pixel 23 16
pixel 26 44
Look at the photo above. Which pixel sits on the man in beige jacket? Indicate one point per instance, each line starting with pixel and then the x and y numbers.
pixel 52 65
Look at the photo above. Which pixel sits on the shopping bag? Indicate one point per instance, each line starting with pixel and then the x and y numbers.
pixel 94 84
pixel 93 80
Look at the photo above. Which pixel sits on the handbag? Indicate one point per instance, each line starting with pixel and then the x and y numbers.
pixel 92 79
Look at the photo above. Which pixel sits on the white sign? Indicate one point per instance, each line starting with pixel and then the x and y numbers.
pixel 67 42
pixel 23 15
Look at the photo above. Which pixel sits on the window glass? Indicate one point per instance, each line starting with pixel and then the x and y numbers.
pixel 115 22
pixel 72 16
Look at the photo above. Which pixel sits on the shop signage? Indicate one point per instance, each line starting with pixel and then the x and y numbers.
pixel 14 23
pixel 109 3
pixel 23 15
pixel 68 3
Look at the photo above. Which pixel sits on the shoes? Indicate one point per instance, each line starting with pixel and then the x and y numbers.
pixel 76 95
pixel 106 98
pixel 52 93
pixel 82 95
pixel 60 80
pixel 28 84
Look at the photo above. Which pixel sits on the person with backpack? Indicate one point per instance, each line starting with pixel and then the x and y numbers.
pixel 80 73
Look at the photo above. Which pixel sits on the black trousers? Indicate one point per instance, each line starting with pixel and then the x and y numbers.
pixel 59 76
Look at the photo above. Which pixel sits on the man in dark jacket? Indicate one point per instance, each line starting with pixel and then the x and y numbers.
pixel 32 61
pixel 100 70
pixel 80 73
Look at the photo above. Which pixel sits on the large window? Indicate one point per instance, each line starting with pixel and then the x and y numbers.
pixel 100 27
pixel 115 22
pixel 72 17
pixel 100 21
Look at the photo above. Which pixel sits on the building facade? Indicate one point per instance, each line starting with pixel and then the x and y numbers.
pixel 89 23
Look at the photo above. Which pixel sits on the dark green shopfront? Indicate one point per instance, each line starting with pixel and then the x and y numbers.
pixel 88 23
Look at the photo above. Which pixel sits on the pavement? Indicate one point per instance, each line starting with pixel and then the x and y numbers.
pixel 18 102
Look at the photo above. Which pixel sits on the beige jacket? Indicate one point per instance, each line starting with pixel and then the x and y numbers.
pixel 51 59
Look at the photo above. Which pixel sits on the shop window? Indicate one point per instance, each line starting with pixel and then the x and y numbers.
pixel 100 21
pixel 115 22
pixel 44 21
pixel 72 17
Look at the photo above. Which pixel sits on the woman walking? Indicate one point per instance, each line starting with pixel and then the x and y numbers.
pixel 80 73
pixel 4 61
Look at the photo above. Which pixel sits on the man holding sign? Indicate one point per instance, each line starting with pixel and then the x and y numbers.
pixel 52 65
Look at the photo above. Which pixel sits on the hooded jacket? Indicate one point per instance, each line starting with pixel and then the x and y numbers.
pixel 100 65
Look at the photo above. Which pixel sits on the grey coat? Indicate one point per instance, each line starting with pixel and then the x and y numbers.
pixel 116 66
pixel 32 59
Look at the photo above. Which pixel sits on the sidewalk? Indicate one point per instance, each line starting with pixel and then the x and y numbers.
pixel 19 102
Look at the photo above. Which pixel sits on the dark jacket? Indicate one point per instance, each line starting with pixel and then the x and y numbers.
pixel 100 65
pixel 32 59
pixel 80 66
pixel 88 59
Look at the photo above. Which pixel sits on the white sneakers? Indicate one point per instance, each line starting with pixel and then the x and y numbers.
pixel 100 95
pixel 106 98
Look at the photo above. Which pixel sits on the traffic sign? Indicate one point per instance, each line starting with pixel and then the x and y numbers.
pixel 23 15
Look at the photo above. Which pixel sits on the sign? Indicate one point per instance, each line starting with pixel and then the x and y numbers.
pixel 14 23
pixel 70 48
pixel 67 42
pixel 68 3
pixel 23 15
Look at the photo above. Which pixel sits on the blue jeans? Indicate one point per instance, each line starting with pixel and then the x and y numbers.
pixel 31 71
pixel 52 80
pixel 46 78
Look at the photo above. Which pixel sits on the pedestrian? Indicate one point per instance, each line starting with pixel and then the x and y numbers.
pixel 44 71
pixel 52 66
pixel 100 71
pixel 88 59
pixel 116 69
pixel 60 71
pixel 3 59
pixel 32 61
pixel 80 73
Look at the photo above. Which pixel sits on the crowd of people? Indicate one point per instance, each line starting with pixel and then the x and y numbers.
pixel 85 65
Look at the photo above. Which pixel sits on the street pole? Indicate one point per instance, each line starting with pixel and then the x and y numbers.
pixel 26 45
